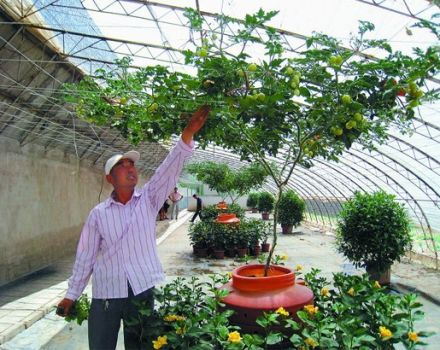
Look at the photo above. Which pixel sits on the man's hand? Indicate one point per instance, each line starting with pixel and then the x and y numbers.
pixel 64 307
pixel 195 123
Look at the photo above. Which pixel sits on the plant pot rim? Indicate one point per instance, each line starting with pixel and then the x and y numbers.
pixel 251 278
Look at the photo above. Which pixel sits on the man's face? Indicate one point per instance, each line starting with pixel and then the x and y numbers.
pixel 123 174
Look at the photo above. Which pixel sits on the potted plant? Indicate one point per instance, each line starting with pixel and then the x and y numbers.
pixel 373 231
pixel 290 211
pixel 252 201
pixel 315 103
pixel 265 204
pixel 255 230
pixel 198 235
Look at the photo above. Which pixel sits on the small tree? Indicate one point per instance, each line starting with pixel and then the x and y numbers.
pixel 373 230
pixel 291 209
pixel 227 181
pixel 265 202
pixel 292 105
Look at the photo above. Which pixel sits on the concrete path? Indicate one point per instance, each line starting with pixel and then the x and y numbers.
pixel 309 247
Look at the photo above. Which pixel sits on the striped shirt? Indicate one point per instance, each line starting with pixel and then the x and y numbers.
pixel 118 242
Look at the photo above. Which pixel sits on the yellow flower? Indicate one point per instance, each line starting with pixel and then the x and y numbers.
pixel 161 341
pixel 351 292
pixel 234 337
pixel 283 257
pixel 385 333
pixel 282 311
pixel 298 267
pixel 311 310
pixel 172 318
pixel 413 336
pixel 377 284
pixel 325 292
pixel 229 275
pixel 311 342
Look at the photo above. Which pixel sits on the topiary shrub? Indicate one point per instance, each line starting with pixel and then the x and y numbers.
pixel 265 202
pixel 291 209
pixel 373 230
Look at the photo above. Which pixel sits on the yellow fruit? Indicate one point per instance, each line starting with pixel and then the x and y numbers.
pixel 346 99
pixel 335 60
pixel 261 97
pixel 290 71
pixel 358 117
pixel 241 73
pixel 252 67
pixel 296 92
pixel 338 131
pixel 203 52
pixel 153 107
pixel 350 124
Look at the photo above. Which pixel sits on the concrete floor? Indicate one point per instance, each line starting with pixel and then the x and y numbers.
pixel 309 247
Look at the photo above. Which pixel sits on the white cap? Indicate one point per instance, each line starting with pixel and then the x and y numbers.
pixel 111 162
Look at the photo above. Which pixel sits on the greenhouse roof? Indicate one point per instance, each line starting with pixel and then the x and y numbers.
pixel 76 37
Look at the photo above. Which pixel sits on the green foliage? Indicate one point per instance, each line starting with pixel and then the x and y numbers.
pixel 252 200
pixel 80 310
pixel 291 209
pixel 209 213
pixel 373 230
pixel 225 180
pixel 355 313
pixel 316 103
pixel 265 202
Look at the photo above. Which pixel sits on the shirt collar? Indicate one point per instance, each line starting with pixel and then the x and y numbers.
pixel 110 200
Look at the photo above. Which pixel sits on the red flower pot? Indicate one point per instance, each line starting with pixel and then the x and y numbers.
pixel 251 294
pixel 265 247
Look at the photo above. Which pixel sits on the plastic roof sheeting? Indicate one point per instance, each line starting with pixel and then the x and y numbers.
pixel 91 34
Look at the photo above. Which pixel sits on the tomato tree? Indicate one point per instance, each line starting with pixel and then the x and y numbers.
pixel 292 105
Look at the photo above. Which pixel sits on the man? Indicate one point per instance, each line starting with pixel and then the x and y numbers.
pixel 198 207
pixel 175 197
pixel 118 244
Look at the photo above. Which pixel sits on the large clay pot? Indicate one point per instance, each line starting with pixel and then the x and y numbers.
pixel 251 294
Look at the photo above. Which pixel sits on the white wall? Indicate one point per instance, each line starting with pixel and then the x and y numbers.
pixel 45 199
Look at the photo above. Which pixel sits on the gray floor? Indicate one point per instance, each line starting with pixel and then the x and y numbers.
pixel 309 247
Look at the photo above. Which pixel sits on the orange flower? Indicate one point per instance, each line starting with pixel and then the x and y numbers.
pixel 311 310
pixel 325 292
pixel 385 333
pixel 161 341
pixel 234 337
pixel 413 337
pixel 311 342
pixel 281 311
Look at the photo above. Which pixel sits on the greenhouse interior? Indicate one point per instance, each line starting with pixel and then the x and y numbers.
pixel 283 192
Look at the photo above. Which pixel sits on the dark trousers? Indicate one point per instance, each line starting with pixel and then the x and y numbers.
pixel 195 215
pixel 105 320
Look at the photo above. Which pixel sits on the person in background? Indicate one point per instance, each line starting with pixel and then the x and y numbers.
pixel 175 197
pixel 163 211
pixel 118 245
pixel 198 207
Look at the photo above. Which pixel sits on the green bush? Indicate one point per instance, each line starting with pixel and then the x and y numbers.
pixel 236 209
pixel 349 312
pixel 252 200
pixel 290 209
pixel 373 230
pixel 265 202
pixel 209 213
